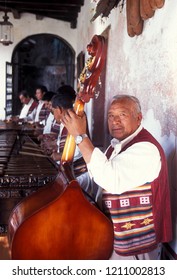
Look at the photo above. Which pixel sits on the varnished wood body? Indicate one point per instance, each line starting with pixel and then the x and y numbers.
pixel 59 223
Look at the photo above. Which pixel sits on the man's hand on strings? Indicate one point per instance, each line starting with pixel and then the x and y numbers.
pixel 75 124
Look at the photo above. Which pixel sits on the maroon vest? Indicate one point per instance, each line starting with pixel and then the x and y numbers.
pixel 133 236
pixel 44 113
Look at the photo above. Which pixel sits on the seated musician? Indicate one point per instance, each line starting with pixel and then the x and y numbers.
pixel 50 119
pixel 48 139
pixel 28 110
pixel 134 177
pixel 42 112
pixel 60 103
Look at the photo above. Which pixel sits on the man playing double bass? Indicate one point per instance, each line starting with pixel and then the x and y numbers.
pixel 133 176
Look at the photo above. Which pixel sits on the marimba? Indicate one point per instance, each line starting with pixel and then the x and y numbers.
pixel 24 168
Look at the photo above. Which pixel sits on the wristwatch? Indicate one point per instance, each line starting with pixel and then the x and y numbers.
pixel 80 138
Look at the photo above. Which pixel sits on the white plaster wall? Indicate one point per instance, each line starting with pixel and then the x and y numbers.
pixel 144 66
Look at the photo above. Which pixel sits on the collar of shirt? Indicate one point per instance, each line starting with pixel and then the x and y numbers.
pixel 118 145
pixel 61 127
pixel 28 105
pixel 25 109
pixel 30 102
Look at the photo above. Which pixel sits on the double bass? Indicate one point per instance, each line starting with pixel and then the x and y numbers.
pixel 58 222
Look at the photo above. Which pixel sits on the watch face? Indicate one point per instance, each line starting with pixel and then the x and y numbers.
pixel 78 139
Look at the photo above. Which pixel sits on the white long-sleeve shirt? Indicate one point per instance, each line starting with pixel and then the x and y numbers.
pixel 38 109
pixel 25 109
pixel 49 121
pixel 137 165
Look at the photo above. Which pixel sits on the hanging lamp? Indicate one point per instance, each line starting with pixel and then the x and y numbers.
pixel 6 31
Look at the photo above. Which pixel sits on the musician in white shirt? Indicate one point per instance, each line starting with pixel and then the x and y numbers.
pixel 29 104
pixel 133 167
pixel 49 122
pixel 41 111
pixel 28 108
pixel 60 103
pixel 38 115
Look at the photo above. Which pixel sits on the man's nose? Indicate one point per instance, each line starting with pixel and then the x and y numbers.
pixel 116 119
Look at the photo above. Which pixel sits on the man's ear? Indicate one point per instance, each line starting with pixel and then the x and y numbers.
pixel 140 117
pixel 59 110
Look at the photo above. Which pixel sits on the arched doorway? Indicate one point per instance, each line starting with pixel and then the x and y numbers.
pixel 43 59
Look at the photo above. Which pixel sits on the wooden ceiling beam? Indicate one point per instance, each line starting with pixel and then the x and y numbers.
pixel 41 2
pixel 16 14
pixel 65 10
pixel 48 8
